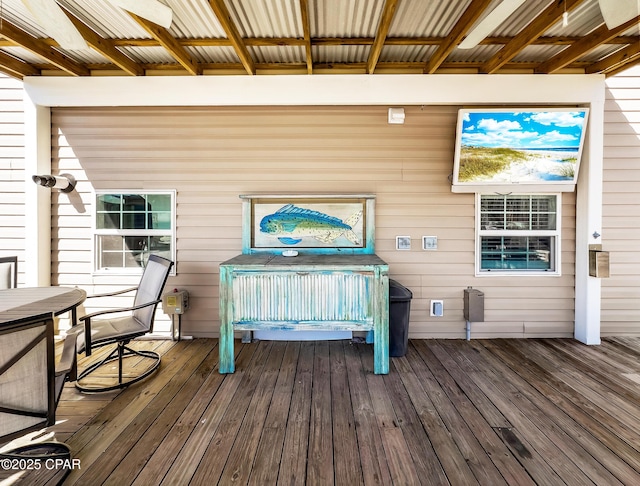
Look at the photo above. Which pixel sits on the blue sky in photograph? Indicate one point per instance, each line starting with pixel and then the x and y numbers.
pixel 523 129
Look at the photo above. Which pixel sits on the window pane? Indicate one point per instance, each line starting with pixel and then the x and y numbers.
pixel 545 204
pixel 517 204
pixel 518 212
pixel 521 253
pixel 108 211
pixel 134 202
pixel 492 204
pixel 108 221
pixel 159 202
pixel 143 213
pixel 136 243
pixel 543 221
pixel 108 202
pixel 110 243
pixel 161 221
pixel 111 259
pixel 492 221
pixel 517 221
pixel 134 221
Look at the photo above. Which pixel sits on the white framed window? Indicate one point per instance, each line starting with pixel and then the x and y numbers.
pixel 131 225
pixel 518 234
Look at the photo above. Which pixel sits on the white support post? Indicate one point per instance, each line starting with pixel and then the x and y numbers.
pixel 589 229
pixel 37 198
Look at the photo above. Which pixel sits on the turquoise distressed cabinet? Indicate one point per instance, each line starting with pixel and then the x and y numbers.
pixel 307 292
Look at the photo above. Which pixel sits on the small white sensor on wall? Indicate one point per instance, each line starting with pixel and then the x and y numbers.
pixel 396 116
pixel 403 242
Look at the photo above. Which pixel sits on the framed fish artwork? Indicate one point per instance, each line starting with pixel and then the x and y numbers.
pixel 312 223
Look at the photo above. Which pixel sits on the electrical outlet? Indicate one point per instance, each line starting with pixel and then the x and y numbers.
pixel 429 242
pixel 403 242
pixel 437 308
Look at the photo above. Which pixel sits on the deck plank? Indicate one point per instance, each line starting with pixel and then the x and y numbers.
pixel 212 465
pixel 392 435
pixel 241 457
pixel 268 455
pixel 601 442
pixel 488 412
pixel 97 436
pixel 555 424
pixel 320 454
pixel 375 469
pixel 424 458
pixel 293 466
pixel 347 467
pixel 453 462
pixel 488 457
pixel 153 426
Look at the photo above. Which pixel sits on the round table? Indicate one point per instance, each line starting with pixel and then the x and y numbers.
pixel 29 301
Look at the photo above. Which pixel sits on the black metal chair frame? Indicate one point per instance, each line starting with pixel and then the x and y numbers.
pixel 122 350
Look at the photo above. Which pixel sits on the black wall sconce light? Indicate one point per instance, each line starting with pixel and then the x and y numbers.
pixel 62 182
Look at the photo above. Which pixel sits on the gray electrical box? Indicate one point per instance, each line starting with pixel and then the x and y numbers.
pixel 176 302
pixel 473 305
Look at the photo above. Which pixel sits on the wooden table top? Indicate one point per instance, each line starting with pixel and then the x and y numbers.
pixel 29 301
pixel 305 259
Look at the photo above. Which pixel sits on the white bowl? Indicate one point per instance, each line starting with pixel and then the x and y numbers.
pixel 289 253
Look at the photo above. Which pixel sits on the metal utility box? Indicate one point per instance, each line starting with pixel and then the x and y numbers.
pixel 598 262
pixel 473 305
pixel 175 302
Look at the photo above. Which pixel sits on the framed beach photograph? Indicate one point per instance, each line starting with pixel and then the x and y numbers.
pixel 519 146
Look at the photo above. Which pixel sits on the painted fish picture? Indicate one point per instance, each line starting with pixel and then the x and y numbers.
pixel 291 224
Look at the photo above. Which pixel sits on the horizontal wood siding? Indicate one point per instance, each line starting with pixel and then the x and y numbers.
pixel 211 155
pixel 621 205
pixel 12 201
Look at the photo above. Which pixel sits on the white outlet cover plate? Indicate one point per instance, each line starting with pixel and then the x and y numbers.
pixel 429 242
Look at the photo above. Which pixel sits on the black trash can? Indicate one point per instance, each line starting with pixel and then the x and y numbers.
pixel 399 306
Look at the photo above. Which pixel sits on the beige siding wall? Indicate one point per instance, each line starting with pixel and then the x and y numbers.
pixel 12 207
pixel 212 155
pixel 621 205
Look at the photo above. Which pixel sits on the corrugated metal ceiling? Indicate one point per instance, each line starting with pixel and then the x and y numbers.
pixel 260 36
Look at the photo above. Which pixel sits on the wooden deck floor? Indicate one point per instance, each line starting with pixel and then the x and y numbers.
pixel 454 412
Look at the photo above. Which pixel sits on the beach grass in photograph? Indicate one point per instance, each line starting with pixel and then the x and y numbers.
pixel 477 163
pixel 568 168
